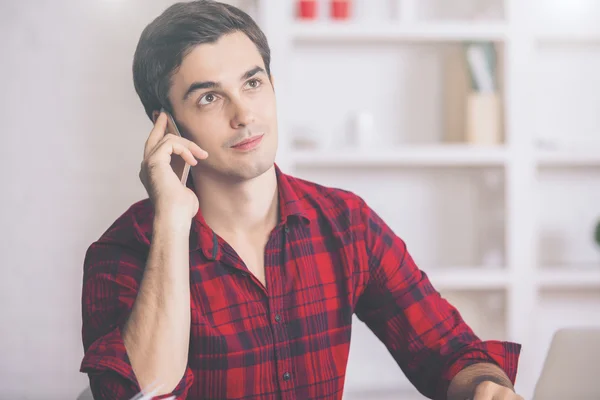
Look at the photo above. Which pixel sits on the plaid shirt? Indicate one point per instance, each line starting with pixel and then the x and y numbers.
pixel 329 257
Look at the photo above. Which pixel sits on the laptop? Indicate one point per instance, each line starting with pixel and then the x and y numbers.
pixel 571 370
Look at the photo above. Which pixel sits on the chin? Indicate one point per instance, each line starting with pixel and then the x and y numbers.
pixel 254 169
pixel 255 164
pixel 246 169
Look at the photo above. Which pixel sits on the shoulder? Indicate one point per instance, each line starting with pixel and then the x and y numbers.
pixel 132 229
pixel 126 242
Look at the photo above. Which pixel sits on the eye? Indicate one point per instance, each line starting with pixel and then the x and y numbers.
pixel 254 83
pixel 207 99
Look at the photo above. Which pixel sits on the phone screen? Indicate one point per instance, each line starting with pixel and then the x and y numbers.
pixel 180 167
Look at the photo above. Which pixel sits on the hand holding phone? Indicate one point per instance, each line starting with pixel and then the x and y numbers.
pixel 167 159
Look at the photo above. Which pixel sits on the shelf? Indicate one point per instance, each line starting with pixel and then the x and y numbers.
pixel 442 32
pixel 473 278
pixel 581 34
pixel 437 155
pixel 569 278
pixel 568 158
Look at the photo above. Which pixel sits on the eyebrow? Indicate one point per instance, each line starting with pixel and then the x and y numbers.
pixel 211 85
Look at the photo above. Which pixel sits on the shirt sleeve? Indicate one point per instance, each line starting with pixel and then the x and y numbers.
pixel 113 271
pixel 423 332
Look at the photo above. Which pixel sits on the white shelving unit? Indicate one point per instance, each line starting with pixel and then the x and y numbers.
pixel 470 278
pixel 558 159
pixel 557 278
pixel 397 65
pixel 579 34
pixel 414 156
pixel 389 32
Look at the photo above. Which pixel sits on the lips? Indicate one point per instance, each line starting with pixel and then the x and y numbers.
pixel 249 143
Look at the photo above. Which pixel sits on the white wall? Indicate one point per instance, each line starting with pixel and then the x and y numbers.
pixel 72 137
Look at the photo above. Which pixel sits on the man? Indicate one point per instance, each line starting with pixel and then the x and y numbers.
pixel 242 284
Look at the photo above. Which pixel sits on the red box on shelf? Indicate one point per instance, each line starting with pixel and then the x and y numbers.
pixel 340 9
pixel 307 9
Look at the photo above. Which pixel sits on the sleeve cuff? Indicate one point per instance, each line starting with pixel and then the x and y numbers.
pixel 108 354
pixel 504 354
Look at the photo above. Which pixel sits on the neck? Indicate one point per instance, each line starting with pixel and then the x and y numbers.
pixel 238 208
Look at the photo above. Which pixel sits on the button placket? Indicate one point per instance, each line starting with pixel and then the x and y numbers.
pixel 277 310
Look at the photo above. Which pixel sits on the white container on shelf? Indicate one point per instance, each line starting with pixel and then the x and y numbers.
pixel 371 11
pixel 493 258
pixel 406 10
pixel 363 133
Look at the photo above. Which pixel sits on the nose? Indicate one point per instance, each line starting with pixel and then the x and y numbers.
pixel 242 116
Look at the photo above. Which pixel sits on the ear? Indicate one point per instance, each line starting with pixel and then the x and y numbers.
pixel 155 115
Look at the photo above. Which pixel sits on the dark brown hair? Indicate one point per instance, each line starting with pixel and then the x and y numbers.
pixel 172 35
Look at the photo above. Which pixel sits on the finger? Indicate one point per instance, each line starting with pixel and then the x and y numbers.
pixel 156 134
pixel 507 394
pixel 179 149
pixel 196 150
pixel 167 149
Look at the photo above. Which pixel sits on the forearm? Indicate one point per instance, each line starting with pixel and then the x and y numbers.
pixel 157 333
pixel 463 385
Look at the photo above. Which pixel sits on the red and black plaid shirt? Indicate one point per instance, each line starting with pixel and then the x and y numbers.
pixel 329 257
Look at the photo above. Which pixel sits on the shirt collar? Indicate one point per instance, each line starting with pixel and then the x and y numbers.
pixel 290 206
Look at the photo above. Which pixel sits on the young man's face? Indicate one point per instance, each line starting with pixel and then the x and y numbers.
pixel 224 101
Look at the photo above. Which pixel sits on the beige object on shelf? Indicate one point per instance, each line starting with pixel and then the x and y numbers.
pixel 483 119
pixel 456 89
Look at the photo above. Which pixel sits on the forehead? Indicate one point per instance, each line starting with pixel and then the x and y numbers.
pixel 223 60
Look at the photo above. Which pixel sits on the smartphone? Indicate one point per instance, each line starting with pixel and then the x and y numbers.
pixel 180 167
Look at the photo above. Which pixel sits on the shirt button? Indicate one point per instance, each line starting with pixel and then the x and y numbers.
pixel 287 376
pixel 277 318
pixel 287 229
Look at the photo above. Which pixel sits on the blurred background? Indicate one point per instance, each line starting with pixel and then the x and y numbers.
pixel 471 126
